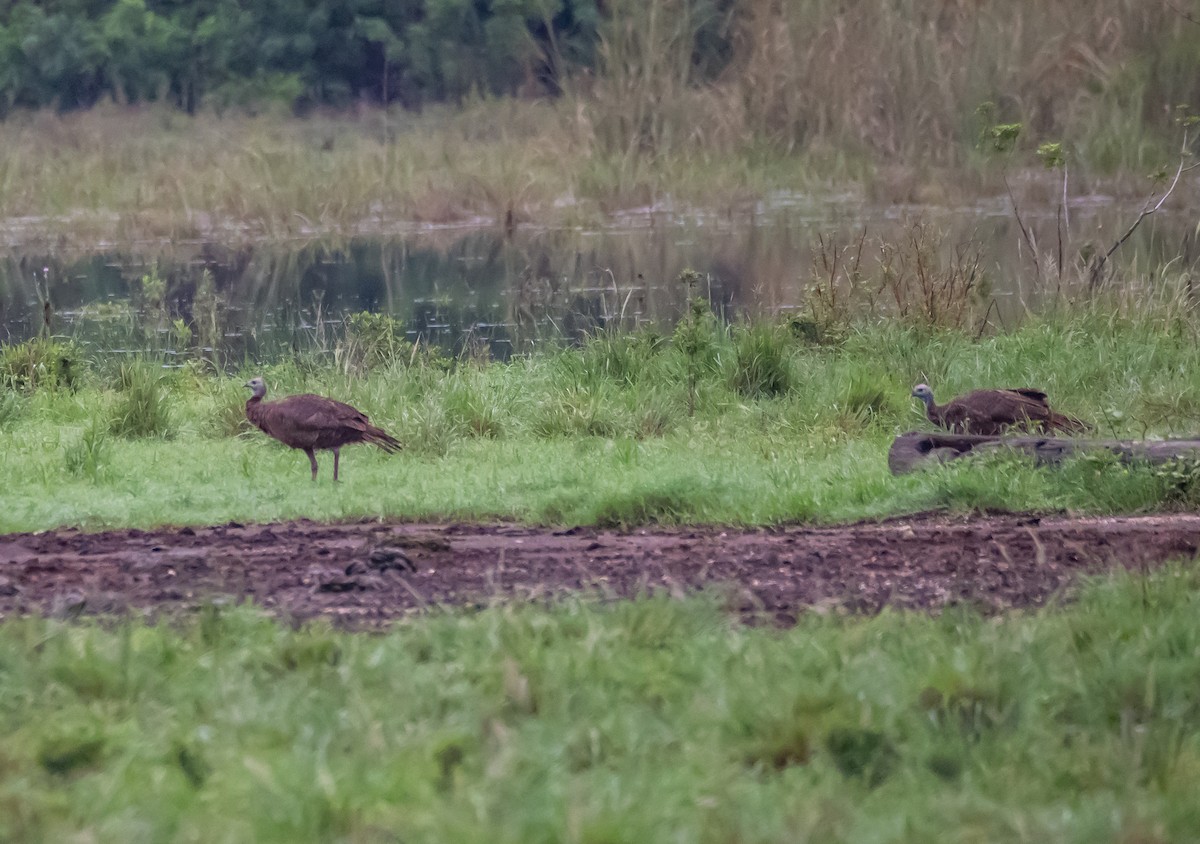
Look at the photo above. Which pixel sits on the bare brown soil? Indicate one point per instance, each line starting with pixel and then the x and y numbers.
pixel 363 575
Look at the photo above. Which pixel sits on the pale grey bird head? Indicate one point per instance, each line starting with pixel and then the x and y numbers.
pixel 924 393
pixel 258 385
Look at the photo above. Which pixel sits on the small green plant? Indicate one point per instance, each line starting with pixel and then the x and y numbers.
pixel 1181 480
pixel 375 340
pixel 181 333
pixel 1051 155
pixel 578 411
pixel 696 337
pixel 153 291
pixel 89 455
pixel 1003 136
pixel 143 408
pixel 206 315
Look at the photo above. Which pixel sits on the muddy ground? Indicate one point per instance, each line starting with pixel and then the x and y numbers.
pixel 363 575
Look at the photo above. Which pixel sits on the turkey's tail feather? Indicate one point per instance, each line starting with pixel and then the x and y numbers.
pixel 1068 424
pixel 381 438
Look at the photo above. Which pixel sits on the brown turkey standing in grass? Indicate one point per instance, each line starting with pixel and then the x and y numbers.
pixel 309 422
pixel 993 412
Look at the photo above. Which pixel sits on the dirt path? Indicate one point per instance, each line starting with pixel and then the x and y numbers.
pixel 366 574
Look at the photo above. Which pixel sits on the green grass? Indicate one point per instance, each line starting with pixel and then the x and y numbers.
pixel 642 721
pixel 783 431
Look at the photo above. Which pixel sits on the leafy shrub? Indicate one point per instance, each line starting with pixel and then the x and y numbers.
pixel 1180 479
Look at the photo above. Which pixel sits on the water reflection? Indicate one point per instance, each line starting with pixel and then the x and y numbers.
pixel 506 293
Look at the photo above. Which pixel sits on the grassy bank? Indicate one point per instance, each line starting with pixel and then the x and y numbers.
pixel 137 177
pixel 754 424
pixel 642 721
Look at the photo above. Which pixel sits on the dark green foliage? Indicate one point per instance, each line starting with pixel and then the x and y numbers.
pixel 192 764
pixel 304 53
pixel 666 502
pixel 227 418
pixel 39 362
pixel 697 338
pixel 64 754
pixel 868 754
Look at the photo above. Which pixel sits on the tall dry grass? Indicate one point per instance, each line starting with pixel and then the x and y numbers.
pixel 899 80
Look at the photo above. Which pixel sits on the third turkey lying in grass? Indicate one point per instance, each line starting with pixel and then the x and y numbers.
pixel 309 422
pixel 992 412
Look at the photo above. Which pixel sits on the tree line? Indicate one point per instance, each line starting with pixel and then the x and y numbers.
pixel 75 53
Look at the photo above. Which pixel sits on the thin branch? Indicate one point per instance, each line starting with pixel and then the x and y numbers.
pixel 1187 16
pixel 1102 261
pixel 1024 231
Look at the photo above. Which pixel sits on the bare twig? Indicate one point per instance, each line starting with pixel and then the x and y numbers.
pixel 1187 16
pixel 1037 264
pixel 1098 266
pixel 1064 232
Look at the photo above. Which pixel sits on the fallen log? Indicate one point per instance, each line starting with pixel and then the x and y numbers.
pixel 918 449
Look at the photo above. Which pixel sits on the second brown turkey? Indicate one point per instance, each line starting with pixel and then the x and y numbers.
pixel 310 423
pixel 993 412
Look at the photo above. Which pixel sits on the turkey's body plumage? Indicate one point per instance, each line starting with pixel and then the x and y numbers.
pixel 994 412
pixel 312 423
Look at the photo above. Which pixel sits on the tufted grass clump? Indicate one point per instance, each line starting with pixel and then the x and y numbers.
pixel 473 409
pixel 762 364
pixel 226 416
pixel 88 456
pixel 40 362
pixel 143 407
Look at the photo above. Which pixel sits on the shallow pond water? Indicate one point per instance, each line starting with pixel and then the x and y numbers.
pixel 501 292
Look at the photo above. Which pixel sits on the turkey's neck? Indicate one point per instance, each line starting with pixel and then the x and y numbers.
pixel 253 408
pixel 933 411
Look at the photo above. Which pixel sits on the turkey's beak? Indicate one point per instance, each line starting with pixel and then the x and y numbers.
pixel 248 384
